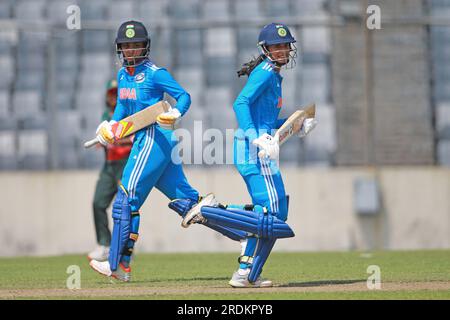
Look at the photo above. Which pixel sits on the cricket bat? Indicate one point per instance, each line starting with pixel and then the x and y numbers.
pixel 135 122
pixel 293 124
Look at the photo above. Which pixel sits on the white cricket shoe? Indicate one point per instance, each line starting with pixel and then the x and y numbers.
pixel 122 273
pixel 194 215
pixel 240 280
pixel 101 267
pixel 100 253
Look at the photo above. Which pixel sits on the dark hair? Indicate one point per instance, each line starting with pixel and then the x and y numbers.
pixel 248 67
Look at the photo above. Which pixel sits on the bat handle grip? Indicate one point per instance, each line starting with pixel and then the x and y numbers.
pixel 91 143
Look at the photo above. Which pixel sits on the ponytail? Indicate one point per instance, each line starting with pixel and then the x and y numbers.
pixel 248 67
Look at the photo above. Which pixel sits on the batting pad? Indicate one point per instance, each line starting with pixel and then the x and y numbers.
pixel 260 224
pixel 262 253
pixel 121 213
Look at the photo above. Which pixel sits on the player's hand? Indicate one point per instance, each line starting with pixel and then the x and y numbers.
pixel 308 125
pixel 104 132
pixel 270 149
pixel 169 119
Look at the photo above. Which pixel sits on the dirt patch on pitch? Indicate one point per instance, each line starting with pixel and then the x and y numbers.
pixel 130 291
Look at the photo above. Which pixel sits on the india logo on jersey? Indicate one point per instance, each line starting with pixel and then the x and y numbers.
pixel 127 93
pixel 140 77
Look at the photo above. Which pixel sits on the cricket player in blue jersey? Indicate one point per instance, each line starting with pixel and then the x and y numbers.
pixel 141 84
pixel 255 155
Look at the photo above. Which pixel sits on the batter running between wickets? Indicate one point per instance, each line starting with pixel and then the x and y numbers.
pixel 257 109
pixel 141 84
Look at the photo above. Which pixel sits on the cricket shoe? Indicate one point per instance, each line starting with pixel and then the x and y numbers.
pixel 122 273
pixel 240 280
pixel 100 253
pixel 194 215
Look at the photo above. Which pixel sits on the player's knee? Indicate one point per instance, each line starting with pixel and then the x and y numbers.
pixel 283 208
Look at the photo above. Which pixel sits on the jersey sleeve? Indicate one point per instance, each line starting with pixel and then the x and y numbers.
pixel 164 81
pixel 256 84
pixel 120 111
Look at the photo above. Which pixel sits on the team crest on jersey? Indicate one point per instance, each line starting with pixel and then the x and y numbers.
pixel 280 102
pixel 140 77
pixel 127 93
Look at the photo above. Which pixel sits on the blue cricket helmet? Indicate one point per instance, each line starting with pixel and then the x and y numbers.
pixel 275 33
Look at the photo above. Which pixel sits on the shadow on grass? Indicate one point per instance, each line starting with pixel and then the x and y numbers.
pixel 321 283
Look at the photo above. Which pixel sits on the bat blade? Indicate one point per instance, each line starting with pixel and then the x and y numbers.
pixel 294 123
pixel 135 122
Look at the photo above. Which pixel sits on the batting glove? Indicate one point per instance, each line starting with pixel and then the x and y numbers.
pixel 104 132
pixel 168 120
pixel 268 145
pixel 308 125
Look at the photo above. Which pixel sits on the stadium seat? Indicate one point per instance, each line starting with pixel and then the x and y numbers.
pixel 35 121
pixel 248 9
pixel 443 152
pixel 5 104
pixel 184 9
pixel 309 7
pixel 69 156
pixel 69 119
pixel 92 158
pixel 443 120
pixel 220 71
pixel 7 67
pixel 279 8
pixel 151 10
pixel 35 80
pixel 33 149
pixel 26 102
pixel 314 83
pixel 96 41
pixel 315 40
pixel 247 38
pixel 216 10
pixel 94 10
pixel 220 42
pixel 56 10
pixel 8 159
pixel 6 9
pixel 30 10
pixel 122 10
pixel 96 61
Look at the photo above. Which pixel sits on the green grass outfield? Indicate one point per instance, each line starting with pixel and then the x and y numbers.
pixel 324 275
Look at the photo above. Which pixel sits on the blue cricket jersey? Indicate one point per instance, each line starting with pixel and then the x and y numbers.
pixel 145 87
pixel 258 105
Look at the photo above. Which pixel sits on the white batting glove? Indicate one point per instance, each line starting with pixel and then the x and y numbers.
pixel 168 120
pixel 104 132
pixel 308 125
pixel 270 149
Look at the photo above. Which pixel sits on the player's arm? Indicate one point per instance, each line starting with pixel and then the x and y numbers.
pixel 164 81
pixel 256 84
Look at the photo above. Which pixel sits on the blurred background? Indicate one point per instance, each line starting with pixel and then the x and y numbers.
pixel 373 175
